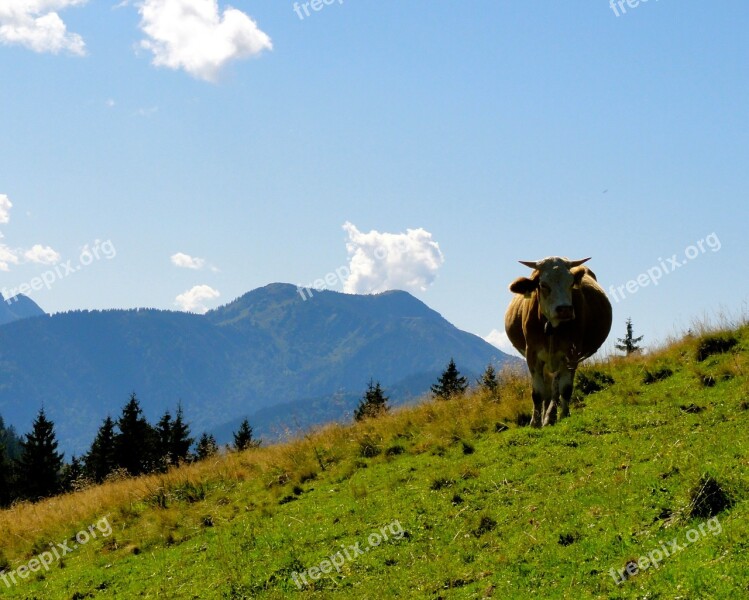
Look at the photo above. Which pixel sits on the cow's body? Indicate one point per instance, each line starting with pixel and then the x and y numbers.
pixel 559 317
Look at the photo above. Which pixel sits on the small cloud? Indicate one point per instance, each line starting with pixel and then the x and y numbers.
pixel 5 206
pixel 386 261
pixel 43 255
pixel 192 35
pixel 7 258
pixel 185 261
pixel 499 339
pixel 192 300
pixel 110 103
pixel 147 112
pixel 36 25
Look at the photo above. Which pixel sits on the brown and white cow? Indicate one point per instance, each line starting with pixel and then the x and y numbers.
pixel 559 317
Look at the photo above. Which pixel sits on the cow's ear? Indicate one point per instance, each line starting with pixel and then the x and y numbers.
pixel 578 273
pixel 523 285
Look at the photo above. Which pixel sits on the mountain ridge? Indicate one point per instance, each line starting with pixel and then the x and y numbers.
pixel 267 348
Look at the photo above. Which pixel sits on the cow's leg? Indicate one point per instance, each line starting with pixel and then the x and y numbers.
pixel 538 394
pixel 566 383
pixel 550 410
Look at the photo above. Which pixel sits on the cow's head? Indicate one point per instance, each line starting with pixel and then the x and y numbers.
pixel 553 278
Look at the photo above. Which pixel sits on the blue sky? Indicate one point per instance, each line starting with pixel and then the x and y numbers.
pixel 201 151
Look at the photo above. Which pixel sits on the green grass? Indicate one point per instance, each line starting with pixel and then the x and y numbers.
pixel 519 513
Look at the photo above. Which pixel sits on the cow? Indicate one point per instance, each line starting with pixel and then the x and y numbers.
pixel 558 317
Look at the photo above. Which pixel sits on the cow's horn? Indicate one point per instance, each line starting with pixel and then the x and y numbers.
pixel 577 263
pixel 529 263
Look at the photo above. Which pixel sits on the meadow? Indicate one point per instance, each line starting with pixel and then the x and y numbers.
pixel 447 499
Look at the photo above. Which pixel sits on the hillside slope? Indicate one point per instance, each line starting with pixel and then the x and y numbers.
pixel 443 500
pixel 269 347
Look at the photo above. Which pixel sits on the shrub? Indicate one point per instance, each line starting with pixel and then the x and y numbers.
pixel 658 375
pixel 715 344
pixel 593 382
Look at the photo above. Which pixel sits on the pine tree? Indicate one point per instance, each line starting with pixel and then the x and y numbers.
pixel 489 381
pixel 179 446
pixel 10 439
pixel 135 445
pixel 73 475
pixel 629 343
pixel 451 383
pixel 39 464
pixel 164 443
pixel 206 447
pixel 373 404
pixel 6 477
pixel 101 459
pixel 174 439
pixel 243 437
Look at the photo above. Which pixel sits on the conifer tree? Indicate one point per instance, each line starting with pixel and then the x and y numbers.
pixel 164 441
pixel 135 444
pixel 206 447
pixel 373 404
pixel 629 343
pixel 243 437
pixel 174 439
pixel 489 381
pixel 73 474
pixel 451 383
pixel 101 459
pixel 6 477
pixel 39 464
pixel 179 446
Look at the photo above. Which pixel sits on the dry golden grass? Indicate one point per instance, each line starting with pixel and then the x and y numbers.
pixel 24 525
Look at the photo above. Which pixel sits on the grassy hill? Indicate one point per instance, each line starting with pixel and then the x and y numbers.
pixel 445 500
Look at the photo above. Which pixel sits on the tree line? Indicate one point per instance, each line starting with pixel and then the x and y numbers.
pixel 31 468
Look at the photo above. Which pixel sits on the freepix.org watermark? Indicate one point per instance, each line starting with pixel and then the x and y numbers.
pixel 337 560
pixel 655 557
pixel 302 9
pixel 620 6
pixel 90 253
pixel 664 267
pixel 46 559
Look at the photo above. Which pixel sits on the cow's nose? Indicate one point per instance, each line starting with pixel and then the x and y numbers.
pixel 565 311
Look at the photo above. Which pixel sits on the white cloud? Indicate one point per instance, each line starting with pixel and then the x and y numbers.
pixel 192 300
pixel 43 255
pixel 499 339
pixel 147 112
pixel 386 261
pixel 36 25
pixel 186 261
pixel 5 206
pixel 7 258
pixel 193 35
pixel 12 256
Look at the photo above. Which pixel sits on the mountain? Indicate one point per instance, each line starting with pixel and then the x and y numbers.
pixel 17 308
pixel 271 353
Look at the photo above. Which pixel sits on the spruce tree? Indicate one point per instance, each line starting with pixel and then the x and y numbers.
pixel 206 447
pixel 373 404
pixel 135 445
pixel 164 441
pixel 451 383
pixel 243 439
pixel 101 459
pixel 6 477
pixel 179 446
pixel 39 464
pixel 73 475
pixel 629 343
pixel 489 381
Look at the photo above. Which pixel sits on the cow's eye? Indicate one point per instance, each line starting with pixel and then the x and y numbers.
pixel 545 288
